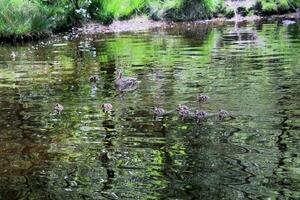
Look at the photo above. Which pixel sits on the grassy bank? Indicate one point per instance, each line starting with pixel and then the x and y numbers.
pixel 269 7
pixel 24 19
pixel 21 19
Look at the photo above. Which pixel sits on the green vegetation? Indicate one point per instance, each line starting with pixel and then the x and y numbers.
pixel 108 10
pixel 157 9
pixel 26 19
pixel 267 7
pixel 192 10
pixel 22 18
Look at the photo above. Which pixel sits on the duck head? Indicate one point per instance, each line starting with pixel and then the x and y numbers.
pixel 119 73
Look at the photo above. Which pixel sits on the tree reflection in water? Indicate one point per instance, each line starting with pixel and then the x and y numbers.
pixel 128 154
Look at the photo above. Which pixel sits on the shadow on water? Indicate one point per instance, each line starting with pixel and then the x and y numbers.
pixel 84 153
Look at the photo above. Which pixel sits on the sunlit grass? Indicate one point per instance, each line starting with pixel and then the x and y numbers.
pixel 181 10
pixel 108 10
pixel 277 6
pixel 21 17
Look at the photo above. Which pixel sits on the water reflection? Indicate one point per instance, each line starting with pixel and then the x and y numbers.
pixel 83 153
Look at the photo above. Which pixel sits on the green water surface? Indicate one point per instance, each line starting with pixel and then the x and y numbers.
pixel 252 71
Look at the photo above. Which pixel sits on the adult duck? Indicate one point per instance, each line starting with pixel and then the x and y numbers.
pixel 125 83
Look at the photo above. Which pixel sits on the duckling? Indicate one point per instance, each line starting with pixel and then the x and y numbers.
pixel 200 115
pixel 182 107
pixel 222 114
pixel 13 55
pixel 183 111
pixel 94 79
pixel 58 108
pixel 158 111
pixel 106 107
pixel 125 83
pixel 202 98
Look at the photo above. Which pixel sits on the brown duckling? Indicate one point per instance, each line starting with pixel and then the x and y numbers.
pixel 94 79
pixel 106 107
pixel 183 111
pixel 202 98
pixel 222 114
pixel 200 115
pixel 158 111
pixel 13 55
pixel 58 108
pixel 125 83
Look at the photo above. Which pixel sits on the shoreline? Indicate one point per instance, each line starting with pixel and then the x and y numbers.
pixel 142 23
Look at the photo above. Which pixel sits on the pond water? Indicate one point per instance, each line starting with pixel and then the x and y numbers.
pixel 82 153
